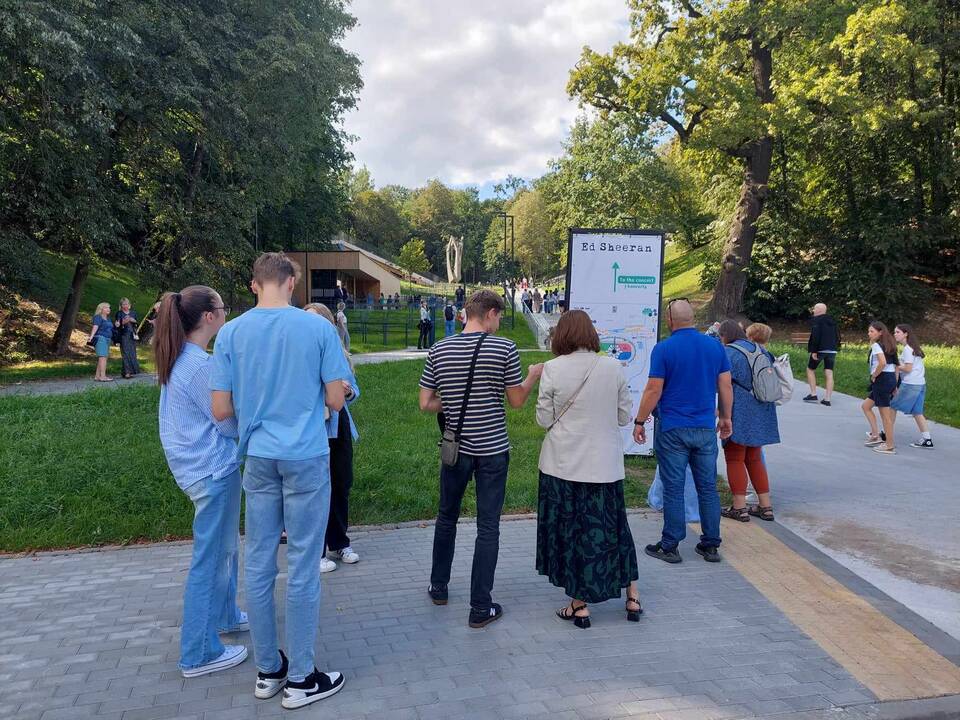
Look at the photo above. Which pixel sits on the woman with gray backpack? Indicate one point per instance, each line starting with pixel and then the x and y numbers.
pixel 756 391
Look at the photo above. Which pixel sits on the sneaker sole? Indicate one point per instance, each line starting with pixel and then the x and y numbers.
pixel 267 694
pixel 484 622
pixel 215 667
pixel 303 702
pixel 708 558
pixel 661 557
pixel 922 447
pixel 438 602
pixel 873 443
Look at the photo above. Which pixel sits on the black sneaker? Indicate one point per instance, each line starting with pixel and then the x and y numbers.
pixel 659 552
pixel 810 399
pixel 825 402
pixel 710 554
pixel 482 618
pixel 316 686
pixel 269 684
pixel 924 443
pixel 438 593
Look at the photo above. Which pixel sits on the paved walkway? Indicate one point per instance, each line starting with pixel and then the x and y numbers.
pixel 892 520
pixel 95 635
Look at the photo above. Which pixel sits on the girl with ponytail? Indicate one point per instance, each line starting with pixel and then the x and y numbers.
pixel 202 455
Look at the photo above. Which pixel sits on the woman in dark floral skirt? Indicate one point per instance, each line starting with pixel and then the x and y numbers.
pixel 584 544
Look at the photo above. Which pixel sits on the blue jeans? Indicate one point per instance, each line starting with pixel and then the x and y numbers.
pixel 449 328
pixel 490 475
pixel 677 448
pixel 291 495
pixel 210 596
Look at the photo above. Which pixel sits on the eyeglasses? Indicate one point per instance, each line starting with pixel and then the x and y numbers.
pixel 226 309
pixel 670 307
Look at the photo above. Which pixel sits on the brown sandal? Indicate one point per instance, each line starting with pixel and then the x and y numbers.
pixel 764 513
pixel 733 513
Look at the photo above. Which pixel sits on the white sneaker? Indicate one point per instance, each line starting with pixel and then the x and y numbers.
pixel 243 624
pixel 269 684
pixel 346 555
pixel 232 655
pixel 316 686
pixel 327 565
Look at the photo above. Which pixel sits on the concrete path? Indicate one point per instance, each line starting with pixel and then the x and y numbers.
pixel 893 520
pixel 95 635
pixel 72 385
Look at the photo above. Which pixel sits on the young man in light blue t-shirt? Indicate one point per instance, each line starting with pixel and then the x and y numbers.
pixel 277 369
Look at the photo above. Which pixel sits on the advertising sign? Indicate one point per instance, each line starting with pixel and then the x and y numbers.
pixel 615 276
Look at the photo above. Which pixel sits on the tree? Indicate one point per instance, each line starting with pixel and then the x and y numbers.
pixel 413 257
pixel 431 213
pixel 376 220
pixel 706 72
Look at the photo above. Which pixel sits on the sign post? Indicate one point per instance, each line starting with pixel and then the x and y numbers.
pixel 615 276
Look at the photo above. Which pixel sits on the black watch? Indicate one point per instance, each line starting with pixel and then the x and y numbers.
pixel 639 422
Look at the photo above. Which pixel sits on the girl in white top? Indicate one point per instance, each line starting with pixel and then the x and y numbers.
pixel 913 383
pixel 883 384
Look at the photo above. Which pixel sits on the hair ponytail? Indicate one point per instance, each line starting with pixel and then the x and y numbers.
pixel 178 316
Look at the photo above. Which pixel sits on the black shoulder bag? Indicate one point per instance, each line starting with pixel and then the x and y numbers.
pixel 450 441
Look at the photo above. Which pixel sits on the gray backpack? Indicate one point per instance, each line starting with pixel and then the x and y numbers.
pixel 766 385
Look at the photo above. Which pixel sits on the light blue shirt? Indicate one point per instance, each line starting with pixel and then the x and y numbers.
pixel 333 422
pixel 196 445
pixel 276 362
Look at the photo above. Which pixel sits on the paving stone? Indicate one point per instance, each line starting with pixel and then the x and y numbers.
pixel 708 646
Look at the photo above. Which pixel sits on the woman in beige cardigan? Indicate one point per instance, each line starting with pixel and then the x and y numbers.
pixel 584 544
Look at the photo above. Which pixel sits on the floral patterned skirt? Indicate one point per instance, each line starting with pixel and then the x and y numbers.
pixel 584 544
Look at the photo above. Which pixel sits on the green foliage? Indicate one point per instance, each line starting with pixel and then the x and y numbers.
pixel 413 257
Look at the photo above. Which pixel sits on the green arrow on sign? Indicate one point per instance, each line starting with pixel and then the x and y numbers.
pixel 616 266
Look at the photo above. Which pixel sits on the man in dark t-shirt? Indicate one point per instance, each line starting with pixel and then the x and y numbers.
pixel 484 445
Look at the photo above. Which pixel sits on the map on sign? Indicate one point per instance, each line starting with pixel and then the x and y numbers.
pixel 615 277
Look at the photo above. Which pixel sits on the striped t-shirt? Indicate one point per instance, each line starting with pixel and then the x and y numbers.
pixel 498 367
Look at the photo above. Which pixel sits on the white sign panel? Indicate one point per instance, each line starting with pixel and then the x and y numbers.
pixel 615 276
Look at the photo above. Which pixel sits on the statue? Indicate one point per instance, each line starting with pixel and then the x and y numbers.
pixel 454 258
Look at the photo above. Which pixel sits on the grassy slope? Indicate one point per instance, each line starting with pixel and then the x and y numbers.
pixel 88 468
pixel 681 273
pixel 106 283
pixel 850 375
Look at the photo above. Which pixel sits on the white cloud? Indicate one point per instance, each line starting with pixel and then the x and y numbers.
pixel 470 92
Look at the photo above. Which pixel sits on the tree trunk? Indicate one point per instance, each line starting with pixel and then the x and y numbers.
pixel 758 156
pixel 728 294
pixel 68 319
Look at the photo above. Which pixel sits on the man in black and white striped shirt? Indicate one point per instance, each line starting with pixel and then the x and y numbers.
pixel 484 446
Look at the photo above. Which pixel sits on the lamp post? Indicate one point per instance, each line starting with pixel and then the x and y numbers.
pixel 506 217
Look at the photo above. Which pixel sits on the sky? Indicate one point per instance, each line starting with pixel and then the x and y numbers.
pixel 470 91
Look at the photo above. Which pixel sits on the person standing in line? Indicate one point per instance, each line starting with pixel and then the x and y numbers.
pixel 913 383
pixel 449 319
pixel 201 452
pixel 754 423
pixel 341 323
pixel 383 302
pixel 279 370
pixel 342 433
pixel 883 383
pixel 423 341
pixel 484 451
pixel 688 371
pixel 584 543
pixel 823 345
pixel 126 323
pixel 537 301
pixel 101 335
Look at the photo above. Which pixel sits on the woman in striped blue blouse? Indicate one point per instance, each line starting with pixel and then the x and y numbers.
pixel 202 455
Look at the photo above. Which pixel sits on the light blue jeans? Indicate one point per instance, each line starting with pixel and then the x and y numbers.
pixel 291 495
pixel 676 450
pixel 210 597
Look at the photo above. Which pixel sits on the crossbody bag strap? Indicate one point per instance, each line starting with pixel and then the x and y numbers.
pixel 574 396
pixel 466 391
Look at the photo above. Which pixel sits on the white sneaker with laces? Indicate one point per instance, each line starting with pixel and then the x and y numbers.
pixel 346 555
pixel 243 624
pixel 327 565
pixel 232 655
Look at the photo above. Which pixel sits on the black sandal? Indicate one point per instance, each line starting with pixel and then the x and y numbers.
pixel 634 615
pixel 569 612
pixel 741 514
pixel 764 513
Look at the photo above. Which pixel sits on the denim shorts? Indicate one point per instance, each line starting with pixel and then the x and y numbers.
pixel 103 346
pixel 909 399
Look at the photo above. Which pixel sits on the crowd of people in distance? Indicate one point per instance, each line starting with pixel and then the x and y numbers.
pixel 534 301
pixel 275 396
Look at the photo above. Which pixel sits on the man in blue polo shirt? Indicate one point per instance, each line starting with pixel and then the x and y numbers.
pixel 687 373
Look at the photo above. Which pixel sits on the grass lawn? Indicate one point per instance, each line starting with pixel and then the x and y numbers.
pixel 70 368
pixel 681 272
pixel 87 468
pixel 942 363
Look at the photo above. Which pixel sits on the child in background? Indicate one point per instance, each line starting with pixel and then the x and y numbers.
pixel 913 383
